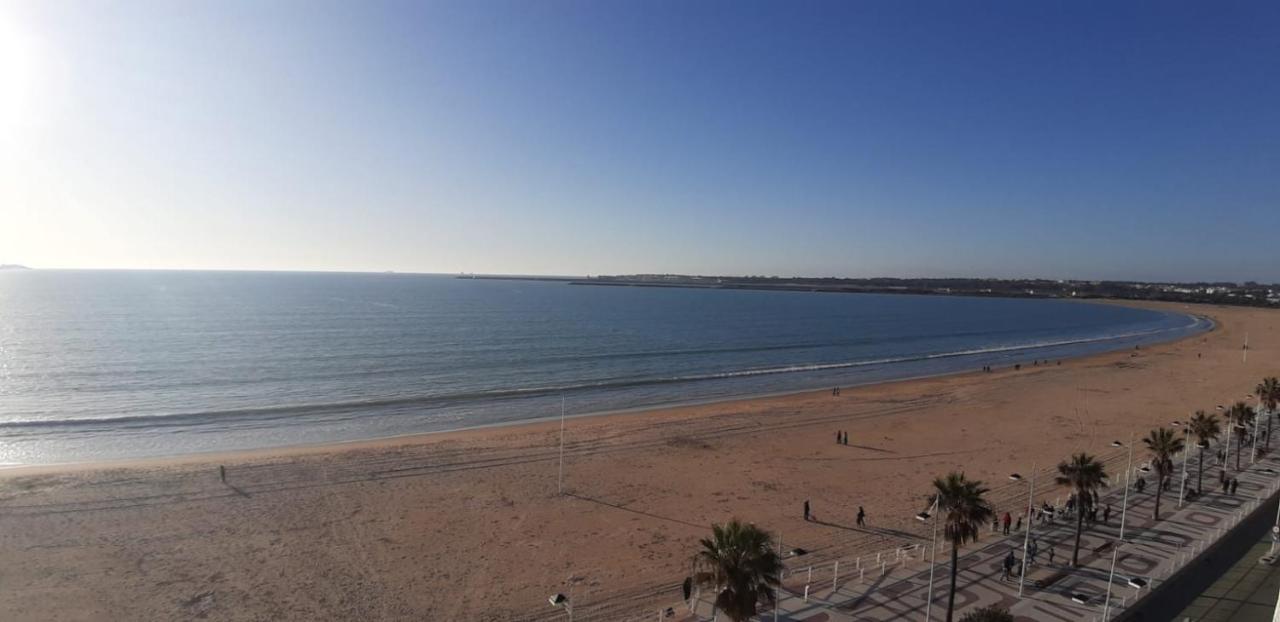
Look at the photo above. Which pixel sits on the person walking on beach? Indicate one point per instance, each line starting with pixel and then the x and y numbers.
pixel 862 517
pixel 1008 520
pixel 1033 549
pixel 806 509
pixel 837 437
pixel 846 438
pixel 1235 483
pixel 222 473
pixel 1106 515
pixel 1050 554
pixel 1018 527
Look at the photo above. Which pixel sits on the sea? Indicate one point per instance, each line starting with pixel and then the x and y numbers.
pixel 99 365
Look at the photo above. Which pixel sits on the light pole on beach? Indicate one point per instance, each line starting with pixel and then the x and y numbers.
pixel 1124 504
pixel 1275 533
pixel 1026 538
pixel 1253 458
pixel 1186 455
pixel 1106 604
pixel 1226 456
pixel 933 557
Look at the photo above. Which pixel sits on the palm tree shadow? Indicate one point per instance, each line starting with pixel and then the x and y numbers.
pixel 640 512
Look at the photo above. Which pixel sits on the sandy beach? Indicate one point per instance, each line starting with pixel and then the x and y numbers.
pixel 469 525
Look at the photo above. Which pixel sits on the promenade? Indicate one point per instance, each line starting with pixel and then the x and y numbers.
pixel 895 586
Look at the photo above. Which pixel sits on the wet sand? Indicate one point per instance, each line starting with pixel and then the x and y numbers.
pixel 469 525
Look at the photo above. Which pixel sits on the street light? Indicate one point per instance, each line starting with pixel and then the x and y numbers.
pixel 1124 504
pixel 1026 538
pixel 933 557
pixel 1186 456
pixel 1253 456
pixel 1106 604
pixel 1226 457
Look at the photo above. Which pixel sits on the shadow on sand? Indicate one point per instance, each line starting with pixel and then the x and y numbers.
pixel 640 512
pixel 871 530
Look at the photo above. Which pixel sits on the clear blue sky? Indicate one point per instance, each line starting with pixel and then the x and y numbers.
pixel 1055 139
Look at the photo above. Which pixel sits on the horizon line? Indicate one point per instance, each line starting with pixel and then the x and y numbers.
pixel 25 268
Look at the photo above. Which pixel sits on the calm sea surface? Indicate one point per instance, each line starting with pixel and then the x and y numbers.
pixel 100 365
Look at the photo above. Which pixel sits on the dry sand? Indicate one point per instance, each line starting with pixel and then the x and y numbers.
pixel 468 525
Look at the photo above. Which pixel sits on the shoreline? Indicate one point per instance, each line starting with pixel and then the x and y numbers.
pixel 240 456
pixel 474 525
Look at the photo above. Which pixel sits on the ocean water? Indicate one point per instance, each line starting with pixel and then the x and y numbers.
pixel 125 364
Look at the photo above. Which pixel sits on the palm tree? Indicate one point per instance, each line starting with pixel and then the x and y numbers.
pixel 1085 475
pixel 1206 428
pixel 1240 416
pixel 966 512
pixel 740 562
pixel 1269 392
pixel 1162 443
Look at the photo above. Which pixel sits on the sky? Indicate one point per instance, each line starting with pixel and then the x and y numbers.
pixel 1096 140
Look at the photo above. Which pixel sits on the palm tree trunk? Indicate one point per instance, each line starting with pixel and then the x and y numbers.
pixel 1159 489
pixel 1200 472
pixel 1239 443
pixel 955 561
pixel 1075 551
pixel 1266 444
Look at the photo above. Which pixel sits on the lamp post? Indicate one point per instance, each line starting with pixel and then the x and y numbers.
pixel 1253 457
pixel 1275 532
pixel 1124 504
pixel 933 557
pixel 1106 604
pixel 1186 449
pixel 1226 456
pixel 1026 538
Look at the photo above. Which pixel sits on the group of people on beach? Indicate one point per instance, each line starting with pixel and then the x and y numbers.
pixel 842 437
pixel 1018 366
pixel 835 392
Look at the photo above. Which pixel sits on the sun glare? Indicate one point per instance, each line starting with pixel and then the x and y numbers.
pixel 18 78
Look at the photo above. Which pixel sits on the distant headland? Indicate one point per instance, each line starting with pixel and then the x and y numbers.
pixel 13 266
pixel 1246 294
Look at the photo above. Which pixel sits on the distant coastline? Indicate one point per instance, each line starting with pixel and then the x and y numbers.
pixel 13 266
pixel 1237 294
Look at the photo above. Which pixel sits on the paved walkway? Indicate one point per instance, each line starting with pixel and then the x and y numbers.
pixel 897 587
